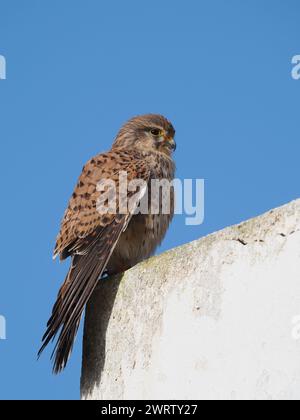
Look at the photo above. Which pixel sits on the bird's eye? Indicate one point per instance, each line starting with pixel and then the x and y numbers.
pixel 155 132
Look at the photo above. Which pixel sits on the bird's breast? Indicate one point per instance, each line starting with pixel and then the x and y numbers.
pixel 145 232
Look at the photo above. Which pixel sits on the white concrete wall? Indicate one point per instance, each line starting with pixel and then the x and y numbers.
pixel 218 318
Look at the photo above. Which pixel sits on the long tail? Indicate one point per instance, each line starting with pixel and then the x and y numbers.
pixel 67 312
pixel 85 271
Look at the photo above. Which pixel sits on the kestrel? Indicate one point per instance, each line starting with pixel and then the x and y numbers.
pixel 109 242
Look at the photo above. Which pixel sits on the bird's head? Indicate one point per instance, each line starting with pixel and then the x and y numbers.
pixel 147 132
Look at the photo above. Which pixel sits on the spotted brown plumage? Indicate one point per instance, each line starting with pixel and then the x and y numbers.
pixel 115 241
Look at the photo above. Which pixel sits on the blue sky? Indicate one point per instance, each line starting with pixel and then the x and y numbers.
pixel 76 70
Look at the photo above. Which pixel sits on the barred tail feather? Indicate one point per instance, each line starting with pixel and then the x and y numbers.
pixel 88 263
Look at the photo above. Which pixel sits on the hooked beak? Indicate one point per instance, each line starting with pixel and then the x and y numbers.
pixel 171 143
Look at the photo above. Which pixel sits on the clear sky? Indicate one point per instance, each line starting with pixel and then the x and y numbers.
pixel 76 70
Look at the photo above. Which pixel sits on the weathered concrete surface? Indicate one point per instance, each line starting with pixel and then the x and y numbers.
pixel 215 319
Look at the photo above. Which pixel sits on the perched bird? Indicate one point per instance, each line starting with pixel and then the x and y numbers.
pixel 111 243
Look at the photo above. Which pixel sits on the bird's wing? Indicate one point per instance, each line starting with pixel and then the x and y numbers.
pixel 81 217
pixel 90 238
